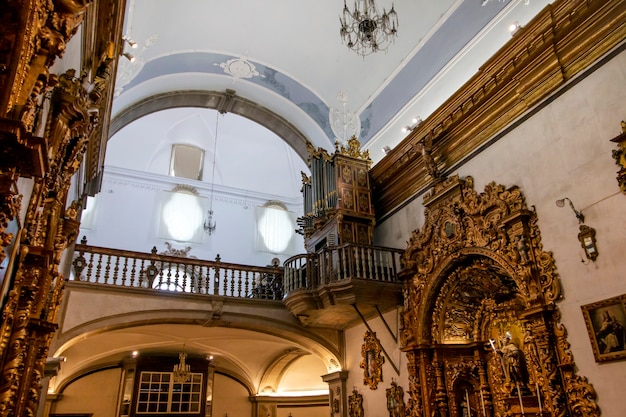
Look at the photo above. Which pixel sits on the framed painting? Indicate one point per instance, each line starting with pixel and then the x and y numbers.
pixel 606 324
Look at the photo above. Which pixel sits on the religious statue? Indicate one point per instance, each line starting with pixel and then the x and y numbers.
pixel 514 363
pixel 355 406
pixel 395 400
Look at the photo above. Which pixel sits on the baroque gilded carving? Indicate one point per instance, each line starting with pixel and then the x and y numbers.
pixel 372 362
pixel 395 400
pixel 619 155
pixel 47 123
pixel 355 404
pixel 478 282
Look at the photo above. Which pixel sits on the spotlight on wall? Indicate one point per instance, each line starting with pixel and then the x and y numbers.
pixel 130 42
pixel 514 27
pixel 386 149
pixel 414 123
pixel 129 56
pixel 586 234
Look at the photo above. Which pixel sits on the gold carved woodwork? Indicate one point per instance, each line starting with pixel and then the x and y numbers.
pixel 337 198
pixel 355 404
pixel 395 400
pixel 480 323
pixel 561 42
pixel 47 124
pixel 372 362
pixel 353 150
pixel 619 155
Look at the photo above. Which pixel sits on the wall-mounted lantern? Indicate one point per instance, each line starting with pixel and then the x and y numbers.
pixel 587 235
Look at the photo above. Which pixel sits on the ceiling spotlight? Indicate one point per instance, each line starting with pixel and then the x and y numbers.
pixel 417 120
pixel 406 129
pixel 386 149
pixel 129 56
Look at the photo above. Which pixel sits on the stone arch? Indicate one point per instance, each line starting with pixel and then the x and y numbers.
pixel 223 101
pixel 480 311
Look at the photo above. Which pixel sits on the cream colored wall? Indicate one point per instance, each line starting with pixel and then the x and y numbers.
pixel 375 401
pixel 81 397
pixel 564 150
pixel 230 397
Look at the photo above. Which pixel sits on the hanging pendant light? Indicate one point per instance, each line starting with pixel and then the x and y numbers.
pixel 182 370
pixel 209 224
pixel 364 30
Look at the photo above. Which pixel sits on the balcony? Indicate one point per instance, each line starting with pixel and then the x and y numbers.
pixel 157 272
pixel 331 288
pixel 338 286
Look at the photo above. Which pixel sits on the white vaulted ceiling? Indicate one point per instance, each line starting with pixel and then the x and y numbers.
pixel 288 57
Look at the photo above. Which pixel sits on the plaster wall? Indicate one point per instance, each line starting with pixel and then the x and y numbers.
pixel 127 211
pixel 230 398
pixel 563 150
pixel 80 398
pixel 375 400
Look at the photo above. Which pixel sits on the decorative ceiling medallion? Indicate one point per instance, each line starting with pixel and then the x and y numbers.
pixel 239 68
pixel 343 122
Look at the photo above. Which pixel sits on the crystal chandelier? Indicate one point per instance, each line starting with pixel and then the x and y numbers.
pixel 365 31
pixel 182 371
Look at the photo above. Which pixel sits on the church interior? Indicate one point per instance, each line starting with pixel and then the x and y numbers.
pixel 406 208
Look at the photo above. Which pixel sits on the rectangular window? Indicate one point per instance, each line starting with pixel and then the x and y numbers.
pixel 159 394
pixel 187 162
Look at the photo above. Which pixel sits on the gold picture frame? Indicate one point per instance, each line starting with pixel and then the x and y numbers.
pixel 372 362
pixel 606 325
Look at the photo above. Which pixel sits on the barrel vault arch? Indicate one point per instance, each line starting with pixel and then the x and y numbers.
pixel 223 101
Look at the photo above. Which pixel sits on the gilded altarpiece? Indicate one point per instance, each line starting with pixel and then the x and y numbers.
pixel 53 130
pixel 480 326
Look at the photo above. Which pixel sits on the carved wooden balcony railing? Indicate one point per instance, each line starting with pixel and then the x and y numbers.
pixel 330 288
pixel 130 269
pixel 336 285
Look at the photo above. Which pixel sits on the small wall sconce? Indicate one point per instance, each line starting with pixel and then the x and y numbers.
pixel 579 215
pixel 386 149
pixel 586 235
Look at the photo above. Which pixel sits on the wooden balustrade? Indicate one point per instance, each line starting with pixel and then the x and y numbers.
pixel 123 268
pixel 313 270
pixel 309 271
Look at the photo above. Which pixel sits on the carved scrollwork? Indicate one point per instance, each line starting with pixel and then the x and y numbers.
pixel 395 400
pixel 477 266
pixel 373 360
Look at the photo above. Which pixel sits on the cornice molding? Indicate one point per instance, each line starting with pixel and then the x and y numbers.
pixel 561 42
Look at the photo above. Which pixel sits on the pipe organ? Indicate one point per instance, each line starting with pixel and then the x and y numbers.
pixel 337 198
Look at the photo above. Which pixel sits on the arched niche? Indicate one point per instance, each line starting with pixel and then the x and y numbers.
pixel 480 326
